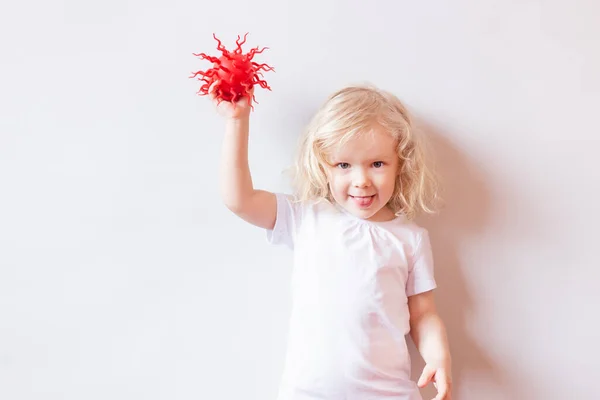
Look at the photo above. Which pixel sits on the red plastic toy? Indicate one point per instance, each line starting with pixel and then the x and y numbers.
pixel 234 72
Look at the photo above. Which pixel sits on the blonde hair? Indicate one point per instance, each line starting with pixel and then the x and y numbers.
pixel 351 111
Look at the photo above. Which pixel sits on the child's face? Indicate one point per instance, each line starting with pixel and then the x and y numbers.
pixel 362 175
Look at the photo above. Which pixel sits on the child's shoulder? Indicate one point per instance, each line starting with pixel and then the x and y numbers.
pixel 411 225
pixel 406 228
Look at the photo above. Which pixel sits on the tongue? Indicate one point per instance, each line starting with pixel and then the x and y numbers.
pixel 363 201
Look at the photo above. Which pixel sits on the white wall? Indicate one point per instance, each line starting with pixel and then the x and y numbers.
pixel 122 276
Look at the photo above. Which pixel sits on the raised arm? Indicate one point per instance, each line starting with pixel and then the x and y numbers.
pixel 258 207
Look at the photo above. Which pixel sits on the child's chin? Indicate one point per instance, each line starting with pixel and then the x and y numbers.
pixel 364 213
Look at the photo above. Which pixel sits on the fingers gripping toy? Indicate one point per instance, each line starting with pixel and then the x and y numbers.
pixel 233 74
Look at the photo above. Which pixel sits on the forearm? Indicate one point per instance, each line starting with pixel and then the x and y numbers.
pixel 236 181
pixel 429 334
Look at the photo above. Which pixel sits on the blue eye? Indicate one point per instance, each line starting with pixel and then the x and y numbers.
pixel 378 164
pixel 343 165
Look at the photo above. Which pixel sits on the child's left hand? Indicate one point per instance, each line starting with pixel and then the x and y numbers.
pixel 441 380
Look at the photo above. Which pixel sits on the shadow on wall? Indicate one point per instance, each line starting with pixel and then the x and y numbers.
pixel 463 214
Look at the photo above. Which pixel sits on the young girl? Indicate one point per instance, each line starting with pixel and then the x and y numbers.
pixel 363 272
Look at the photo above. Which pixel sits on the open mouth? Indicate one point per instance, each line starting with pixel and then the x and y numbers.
pixel 363 201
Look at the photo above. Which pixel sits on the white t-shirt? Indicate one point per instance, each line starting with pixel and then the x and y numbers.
pixel 350 285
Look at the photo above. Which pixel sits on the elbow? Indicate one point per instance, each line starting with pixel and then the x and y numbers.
pixel 234 198
pixel 422 318
pixel 233 205
pixel 236 204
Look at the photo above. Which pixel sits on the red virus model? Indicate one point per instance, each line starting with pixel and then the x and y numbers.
pixel 234 73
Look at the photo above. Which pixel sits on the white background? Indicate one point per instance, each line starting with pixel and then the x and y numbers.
pixel 122 275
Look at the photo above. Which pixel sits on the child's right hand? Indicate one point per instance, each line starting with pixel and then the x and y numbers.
pixel 236 111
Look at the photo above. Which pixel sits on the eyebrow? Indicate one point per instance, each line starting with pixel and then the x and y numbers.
pixel 381 157
pixel 335 160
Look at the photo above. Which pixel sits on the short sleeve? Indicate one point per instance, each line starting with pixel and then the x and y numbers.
pixel 420 274
pixel 289 213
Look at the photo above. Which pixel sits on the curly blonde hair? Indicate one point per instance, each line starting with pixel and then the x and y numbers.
pixel 351 111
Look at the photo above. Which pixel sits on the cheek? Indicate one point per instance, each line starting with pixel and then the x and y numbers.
pixel 387 181
pixel 338 185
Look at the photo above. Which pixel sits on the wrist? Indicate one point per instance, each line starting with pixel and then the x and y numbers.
pixel 237 127
pixel 441 362
pixel 238 121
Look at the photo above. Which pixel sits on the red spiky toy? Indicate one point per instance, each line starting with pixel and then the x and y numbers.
pixel 234 73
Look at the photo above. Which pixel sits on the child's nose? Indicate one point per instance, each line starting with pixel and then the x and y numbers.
pixel 360 178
